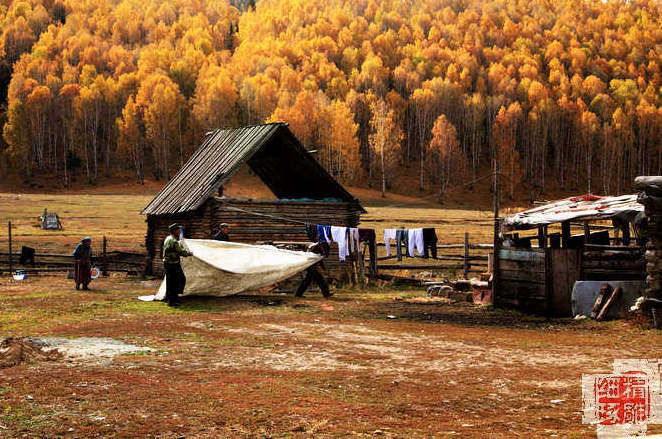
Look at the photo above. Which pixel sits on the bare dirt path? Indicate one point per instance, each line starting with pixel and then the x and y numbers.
pixel 266 365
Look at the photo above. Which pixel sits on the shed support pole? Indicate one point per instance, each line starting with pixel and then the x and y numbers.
pixel 11 262
pixel 542 236
pixel 104 269
pixel 466 255
pixel 565 232
pixel 587 232
pixel 497 241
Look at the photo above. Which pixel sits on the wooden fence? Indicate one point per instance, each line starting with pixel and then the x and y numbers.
pixel 463 260
pixel 107 261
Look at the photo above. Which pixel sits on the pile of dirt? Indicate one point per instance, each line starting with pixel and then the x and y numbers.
pixel 17 350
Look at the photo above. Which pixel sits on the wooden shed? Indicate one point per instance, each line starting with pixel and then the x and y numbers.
pixel 304 193
pixel 536 273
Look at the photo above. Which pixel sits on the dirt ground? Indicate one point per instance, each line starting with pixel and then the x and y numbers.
pixel 269 365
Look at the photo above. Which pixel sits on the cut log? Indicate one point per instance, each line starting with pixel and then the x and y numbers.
pixel 615 295
pixel 605 291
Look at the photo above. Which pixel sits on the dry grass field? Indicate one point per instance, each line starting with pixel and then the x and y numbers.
pixel 271 365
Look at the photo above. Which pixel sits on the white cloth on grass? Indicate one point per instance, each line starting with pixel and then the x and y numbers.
pixel 416 240
pixel 388 235
pixel 219 268
pixel 340 236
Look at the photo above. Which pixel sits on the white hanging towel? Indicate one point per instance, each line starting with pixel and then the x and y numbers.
pixel 416 240
pixel 339 235
pixel 388 235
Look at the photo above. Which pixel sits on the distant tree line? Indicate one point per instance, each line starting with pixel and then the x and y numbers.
pixel 564 94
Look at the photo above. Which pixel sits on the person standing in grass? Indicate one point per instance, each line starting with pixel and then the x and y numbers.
pixel 173 250
pixel 83 263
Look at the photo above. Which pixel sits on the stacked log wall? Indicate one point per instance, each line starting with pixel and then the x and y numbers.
pixel 650 196
pixel 604 263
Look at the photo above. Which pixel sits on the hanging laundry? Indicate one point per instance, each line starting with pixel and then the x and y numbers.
pixel 324 233
pixel 369 236
pixel 340 236
pixel 416 241
pixel 402 241
pixel 430 242
pixel 354 243
pixel 388 235
pixel 324 239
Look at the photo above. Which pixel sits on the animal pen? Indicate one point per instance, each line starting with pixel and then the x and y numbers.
pixel 305 193
pixel 573 243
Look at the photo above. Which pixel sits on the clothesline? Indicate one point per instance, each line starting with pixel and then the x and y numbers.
pixel 265 215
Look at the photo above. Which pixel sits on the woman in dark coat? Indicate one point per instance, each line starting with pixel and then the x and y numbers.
pixel 83 263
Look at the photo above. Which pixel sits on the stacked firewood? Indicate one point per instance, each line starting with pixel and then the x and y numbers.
pixel 650 196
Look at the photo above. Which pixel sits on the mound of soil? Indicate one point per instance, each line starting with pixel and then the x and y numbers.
pixel 17 350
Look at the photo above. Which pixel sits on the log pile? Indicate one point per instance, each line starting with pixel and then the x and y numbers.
pixel 651 197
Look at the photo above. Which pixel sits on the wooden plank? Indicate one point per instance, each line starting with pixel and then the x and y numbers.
pixel 521 266
pixel 612 248
pixel 522 255
pixel 519 275
pixel 523 290
pixel 614 265
pixel 565 270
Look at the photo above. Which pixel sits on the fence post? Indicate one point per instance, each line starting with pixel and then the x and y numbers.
pixel 104 268
pixel 466 255
pixel 11 264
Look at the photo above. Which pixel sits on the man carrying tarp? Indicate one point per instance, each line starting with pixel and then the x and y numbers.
pixel 83 263
pixel 313 274
pixel 175 278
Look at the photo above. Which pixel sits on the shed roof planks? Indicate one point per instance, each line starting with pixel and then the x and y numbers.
pixel 272 152
pixel 585 207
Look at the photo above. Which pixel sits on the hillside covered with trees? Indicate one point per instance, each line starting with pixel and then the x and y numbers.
pixel 566 94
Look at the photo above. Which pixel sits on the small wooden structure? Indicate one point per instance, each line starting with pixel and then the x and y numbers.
pixel 305 193
pixel 540 278
pixel 50 221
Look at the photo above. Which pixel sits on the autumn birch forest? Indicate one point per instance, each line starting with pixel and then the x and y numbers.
pixel 565 94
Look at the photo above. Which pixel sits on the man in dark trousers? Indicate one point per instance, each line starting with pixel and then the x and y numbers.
pixel 223 234
pixel 313 274
pixel 83 263
pixel 175 279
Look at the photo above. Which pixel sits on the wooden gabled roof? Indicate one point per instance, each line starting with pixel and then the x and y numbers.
pixel 272 152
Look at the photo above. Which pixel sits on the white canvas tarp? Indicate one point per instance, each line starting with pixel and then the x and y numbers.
pixel 224 268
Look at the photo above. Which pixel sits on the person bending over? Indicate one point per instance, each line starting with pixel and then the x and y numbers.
pixel 313 274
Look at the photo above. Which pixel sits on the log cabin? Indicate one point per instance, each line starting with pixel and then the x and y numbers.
pixel 304 193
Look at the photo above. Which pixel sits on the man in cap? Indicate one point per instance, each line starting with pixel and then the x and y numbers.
pixel 223 233
pixel 175 278
pixel 83 263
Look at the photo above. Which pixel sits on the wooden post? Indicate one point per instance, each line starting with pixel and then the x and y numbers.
pixel 565 233
pixel 495 254
pixel 104 268
pixel 542 236
pixel 11 264
pixel 587 232
pixel 466 255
